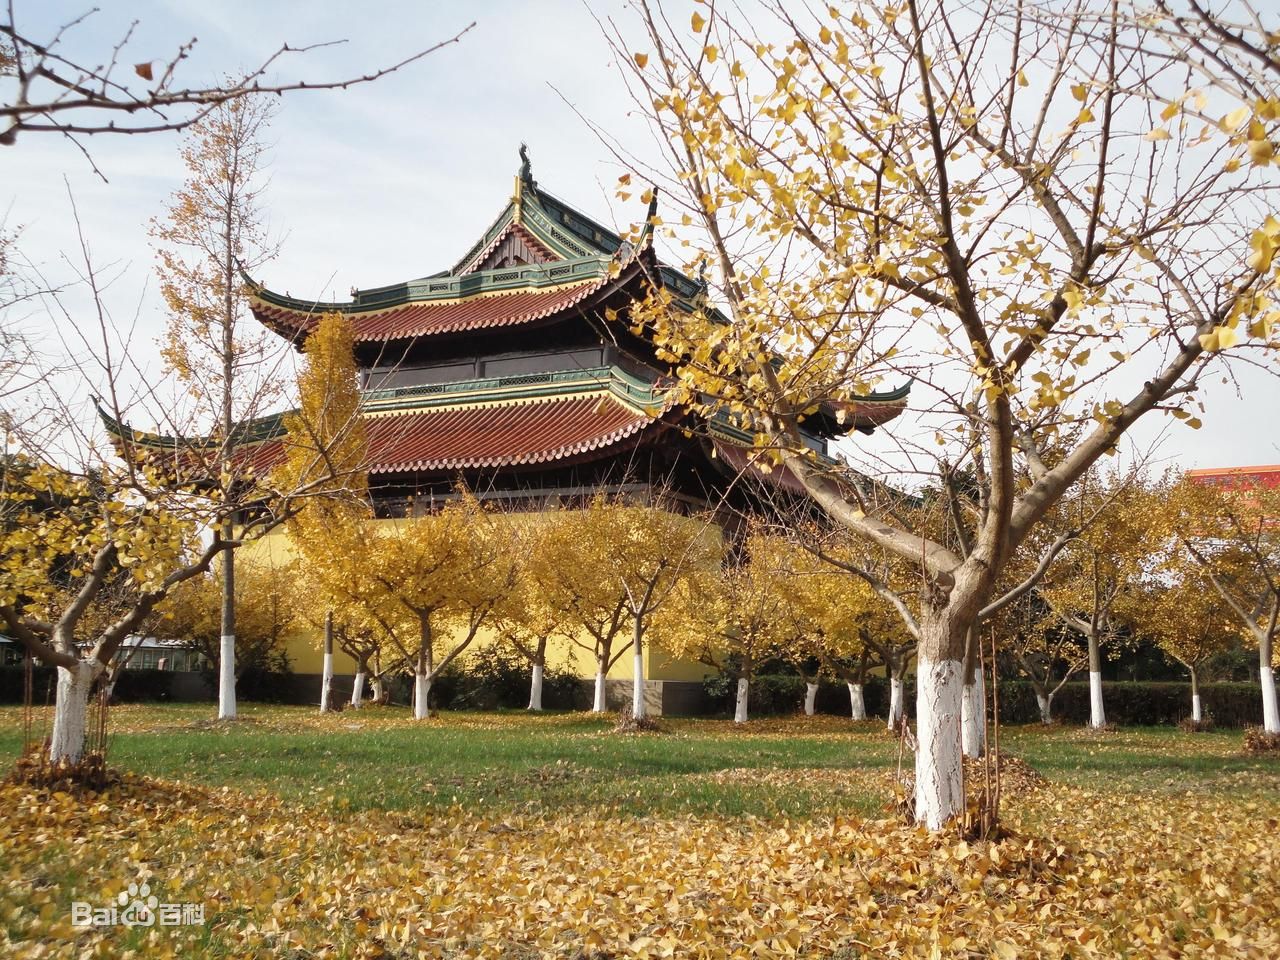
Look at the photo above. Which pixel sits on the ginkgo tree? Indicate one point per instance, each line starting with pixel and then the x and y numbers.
pixel 72 531
pixel 732 617
pixel 564 568
pixel 855 618
pixel 611 565
pixel 1180 610
pixel 1232 534
pixel 213 227
pixel 441 576
pixel 990 205
pixel 1106 559
pixel 649 551
pixel 526 620
pixel 270 608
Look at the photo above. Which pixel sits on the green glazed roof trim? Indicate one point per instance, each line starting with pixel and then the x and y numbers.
pixel 556 224
pixel 244 432
pixel 633 390
pixel 528 276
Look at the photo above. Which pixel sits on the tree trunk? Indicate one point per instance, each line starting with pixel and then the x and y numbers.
pixel 357 689
pixel 1097 716
pixel 422 672
pixel 810 699
pixel 1044 702
pixel 973 711
pixel 740 700
pixel 638 709
pixel 227 649
pixel 421 694
pixel 70 712
pixel 895 700
pixel 857 706
pixel 598 702
pixel 227 677
pixel 1196 715
pixel 535 688
pixel 326 677
pixel 939 690
pixel 1270 709
pixel 939 783
pixel 973 704
pixel 379 692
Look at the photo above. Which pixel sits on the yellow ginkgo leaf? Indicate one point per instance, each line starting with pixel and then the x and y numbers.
pixel 1261 152
pixel 1236 119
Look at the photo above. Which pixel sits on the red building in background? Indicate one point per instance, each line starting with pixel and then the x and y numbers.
pixel 1262 476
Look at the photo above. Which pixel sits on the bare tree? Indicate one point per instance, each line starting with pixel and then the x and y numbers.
pixel 64 94
pixel 1026 215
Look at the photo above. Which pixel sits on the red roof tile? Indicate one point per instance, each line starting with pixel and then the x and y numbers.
pixel 528 432
pixel 747 460
pixel 427 318
pixel 537 431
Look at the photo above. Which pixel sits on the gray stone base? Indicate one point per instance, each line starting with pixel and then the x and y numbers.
pixel 673 698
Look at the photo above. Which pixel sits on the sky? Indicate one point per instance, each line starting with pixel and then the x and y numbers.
pixel 394 180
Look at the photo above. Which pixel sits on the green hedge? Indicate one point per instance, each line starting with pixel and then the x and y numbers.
pixel 1126 703
pixel 1137 704
pixel 133 686
pixel 494 677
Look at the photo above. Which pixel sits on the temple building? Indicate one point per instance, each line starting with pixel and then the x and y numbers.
pixel 516 372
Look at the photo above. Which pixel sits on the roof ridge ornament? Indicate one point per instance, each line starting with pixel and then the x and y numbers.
pixel 524 181
pixel 526 168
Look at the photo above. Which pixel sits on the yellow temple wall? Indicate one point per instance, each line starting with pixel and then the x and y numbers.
pixel 306 654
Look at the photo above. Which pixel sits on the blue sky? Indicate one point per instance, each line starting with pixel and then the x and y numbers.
pixel 395 179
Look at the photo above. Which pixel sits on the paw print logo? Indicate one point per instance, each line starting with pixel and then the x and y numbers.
pixel 141 905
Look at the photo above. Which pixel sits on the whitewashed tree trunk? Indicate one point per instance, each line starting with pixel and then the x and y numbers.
pixel 857 706
pixel 598 702
pixel 326 676
pixel 1044 703
pixel 70 712
pixel 810 699
pixel 326 684
pixel 423 669
pixel 227 643
pixel 895 703
pixel 973 709
pixel 1097 715
pixel 378 690
pixel 1270 709
pixel 421 695
pixel 227 677
pixel 357 690
pixel 1196 715
pixel 638 708
pixel 939 779
pixel 740 700
pixel 535 688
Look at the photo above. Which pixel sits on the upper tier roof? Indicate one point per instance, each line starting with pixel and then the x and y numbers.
pixel 540 257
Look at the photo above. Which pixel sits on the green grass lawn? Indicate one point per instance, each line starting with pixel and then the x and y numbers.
pixel 380 759
pixel 367 835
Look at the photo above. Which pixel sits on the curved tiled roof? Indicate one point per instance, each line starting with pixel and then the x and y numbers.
pixel 749 460
pixel 433 317
pixel 500 435
pixel 476 436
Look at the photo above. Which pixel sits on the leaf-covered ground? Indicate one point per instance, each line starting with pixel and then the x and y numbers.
pixel 340 836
